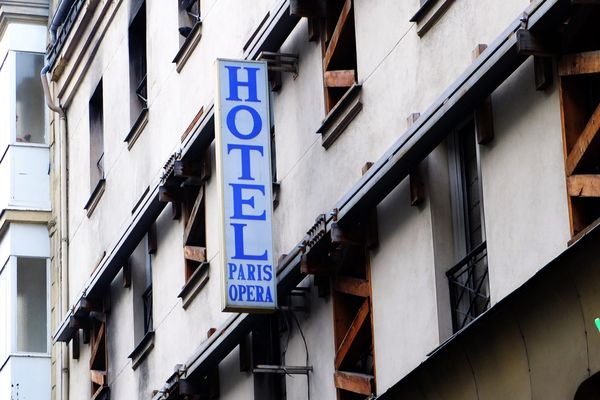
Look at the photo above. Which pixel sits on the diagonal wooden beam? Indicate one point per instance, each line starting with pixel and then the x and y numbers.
pixel 98 342
pixel 195 253
pixel 352 333
pixel 589 135
pixel 337 33
pixel 583 185
pixel 354 382
pixel 193 222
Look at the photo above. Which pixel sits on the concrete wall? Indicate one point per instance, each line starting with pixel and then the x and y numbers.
pixel 401 74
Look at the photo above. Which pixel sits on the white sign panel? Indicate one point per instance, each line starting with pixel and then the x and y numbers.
pixel 243 152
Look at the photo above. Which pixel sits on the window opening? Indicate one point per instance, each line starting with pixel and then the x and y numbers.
pixel 96 111
pixel 30 111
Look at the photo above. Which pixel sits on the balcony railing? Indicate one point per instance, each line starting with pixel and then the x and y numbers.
pixel 469 287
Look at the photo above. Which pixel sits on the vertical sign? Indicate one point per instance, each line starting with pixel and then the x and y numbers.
pixel 243 153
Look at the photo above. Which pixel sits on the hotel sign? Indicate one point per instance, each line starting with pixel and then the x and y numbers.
pixel 243 153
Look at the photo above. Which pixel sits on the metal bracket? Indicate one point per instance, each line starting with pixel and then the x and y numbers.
pixel 282 369
pixel 278 63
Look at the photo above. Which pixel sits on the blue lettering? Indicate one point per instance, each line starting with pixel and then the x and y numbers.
pixel 245 150
pixel 251 269
pixel 233 293
pixel 239 245
pixel 241 276
pixel 251 293
pixel 268 271
pixel 256 122
pixel 234 83
pixel 259 271
pixel 239 201
pixel 232 269
pixel 242 290
pixel 268 297
pixel 259 293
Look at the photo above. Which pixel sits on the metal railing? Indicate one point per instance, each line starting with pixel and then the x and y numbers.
pixel 469 287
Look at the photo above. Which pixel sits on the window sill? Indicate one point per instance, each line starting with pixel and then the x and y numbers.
pixel 340 116
pixel 142 350
pixel 188 46
pixel 95 197
pixel 193 286
pixel 429 13
pixel 137 128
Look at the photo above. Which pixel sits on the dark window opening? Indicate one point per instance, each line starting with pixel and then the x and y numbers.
pixel 194 216
pixel 138 83
pixel 96 111
pixel 468 279
pixel 339 51
pixel 189 16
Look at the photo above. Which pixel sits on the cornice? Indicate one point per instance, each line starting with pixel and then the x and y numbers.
pixel 33 12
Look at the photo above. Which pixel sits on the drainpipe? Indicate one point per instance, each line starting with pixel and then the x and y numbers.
pixel 63 225
pixel 59 17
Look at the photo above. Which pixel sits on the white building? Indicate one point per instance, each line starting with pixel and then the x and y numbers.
pixel 24 204
pixel 413 257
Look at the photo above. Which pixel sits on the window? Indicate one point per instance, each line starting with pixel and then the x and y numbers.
pixel 354 361
pixel 194 234
pixel 138 85
pixel 32 305
pixel 468 279
pixel 30 110
pixel 430 11
pixel 339 51
pixel 96 111
pixel 189 16
pixel 141 276
pixel 580 103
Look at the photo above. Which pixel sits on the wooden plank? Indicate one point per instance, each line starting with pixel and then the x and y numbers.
pixel 579 63
pixel 589 135
pixel 353 286
pixel 75 346
pixel 341 78
pixel 529 44
pixel 193 222
pixel 97 344
pixel 583 185
pixel 98 377
pixel 484 121
pixel 353 382
pixel 352 333
pixel 195 253
pixel 337 33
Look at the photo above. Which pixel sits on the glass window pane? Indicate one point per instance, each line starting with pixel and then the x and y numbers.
pixel 32 305
pixel 30 110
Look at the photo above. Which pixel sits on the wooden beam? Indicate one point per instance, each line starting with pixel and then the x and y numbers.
pixel 98 377
pixel 98 346
pixel 529 44
pixel 193 222
pixel 337 33
pixel 579 63
pixel 355 327
pixel 75 346
pixel 353 286
pixel 341 78
pixel 308 8
pixel 589 135
pixel 484 121
pixel 583 185
pixel 353 382
pixel 194 253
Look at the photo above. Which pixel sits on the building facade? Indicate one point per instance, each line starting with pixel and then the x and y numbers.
pixel 435 199
pixel 24 204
